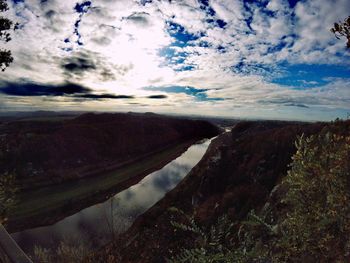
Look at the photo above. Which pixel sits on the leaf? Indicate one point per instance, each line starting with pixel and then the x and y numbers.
pixel 348 21
pixel 336 26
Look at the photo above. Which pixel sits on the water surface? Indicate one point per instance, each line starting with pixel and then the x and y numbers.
pixel 98 223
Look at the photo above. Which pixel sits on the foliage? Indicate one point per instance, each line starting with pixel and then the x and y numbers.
pixel 7 194
pixel 68 251
pixel 318 223
pixel 342 30
pixel 5 26
pixel 313 224
pixel 211 245
pixel 221 243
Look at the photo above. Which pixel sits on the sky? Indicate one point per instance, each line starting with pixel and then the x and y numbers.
pixel 270 59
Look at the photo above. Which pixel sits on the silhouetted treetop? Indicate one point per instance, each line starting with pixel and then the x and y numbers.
pixel 5 26
pixel 342 30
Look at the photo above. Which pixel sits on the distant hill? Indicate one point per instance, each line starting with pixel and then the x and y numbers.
pixel 70 148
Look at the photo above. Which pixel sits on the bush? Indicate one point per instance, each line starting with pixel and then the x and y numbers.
pixel 211 244
pixel 317 224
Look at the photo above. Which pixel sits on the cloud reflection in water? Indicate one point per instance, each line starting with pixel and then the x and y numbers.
pixel 116 214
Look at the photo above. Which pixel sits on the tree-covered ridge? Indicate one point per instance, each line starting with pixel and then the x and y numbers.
pixel 49 151
pixel 306 218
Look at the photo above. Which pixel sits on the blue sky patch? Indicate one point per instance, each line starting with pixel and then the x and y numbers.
pixel 281 45
pixel 182 37
pixel 221 23
pixel 144 2
pixel 292 3
pixel 309 76
pixel 18 1
pixel 67 49
pixel 83 7
pixel 199 94
pixel 249 3
pixel 204 5
pixel 172 57
pixel 186 68
pixel 246 68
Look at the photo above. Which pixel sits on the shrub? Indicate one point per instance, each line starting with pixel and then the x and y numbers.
pixel 317 224
pixel 211 244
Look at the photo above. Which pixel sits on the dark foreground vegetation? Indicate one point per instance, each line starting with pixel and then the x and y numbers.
pixel 265 192
pixel 49 151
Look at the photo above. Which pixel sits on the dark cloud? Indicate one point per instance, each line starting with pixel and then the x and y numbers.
pixel 157 97
pixel 105 33
pixel 83 62
pixel 78 65
pixel 69 90
pixel 123 69
pixel 107 75
pixel 53 20
pixel 33 89
pixel 296 105
pixel 289 102
pixel 50 14
pixel 102 41
pixel 139 18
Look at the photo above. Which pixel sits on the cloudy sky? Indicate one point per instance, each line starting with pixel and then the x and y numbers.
pixel 234 58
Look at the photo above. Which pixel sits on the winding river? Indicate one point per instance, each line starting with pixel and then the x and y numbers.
pixel 98 223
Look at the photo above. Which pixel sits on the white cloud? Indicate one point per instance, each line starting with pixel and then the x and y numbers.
pixel 124 40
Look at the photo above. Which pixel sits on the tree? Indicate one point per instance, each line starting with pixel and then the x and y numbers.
pixel 5 26
pixel 342 30
pixel 8 191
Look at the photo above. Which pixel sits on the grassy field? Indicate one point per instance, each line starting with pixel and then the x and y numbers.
pixel 32 204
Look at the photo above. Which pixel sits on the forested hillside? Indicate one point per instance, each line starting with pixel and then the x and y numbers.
pixel 63 149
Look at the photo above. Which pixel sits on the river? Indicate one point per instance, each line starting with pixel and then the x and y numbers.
pixel 97 224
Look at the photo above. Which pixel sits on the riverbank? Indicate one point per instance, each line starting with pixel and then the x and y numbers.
pixel 48 205
pixel 43 153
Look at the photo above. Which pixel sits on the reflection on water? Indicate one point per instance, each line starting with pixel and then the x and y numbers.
pixel 97 223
